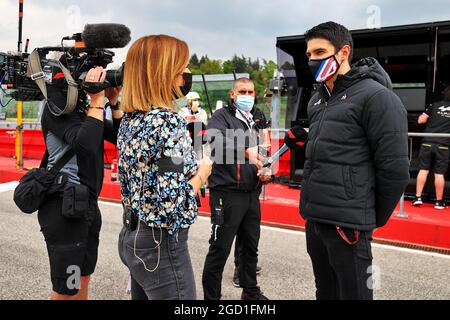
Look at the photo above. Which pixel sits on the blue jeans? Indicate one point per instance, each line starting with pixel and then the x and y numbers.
pixel 163 272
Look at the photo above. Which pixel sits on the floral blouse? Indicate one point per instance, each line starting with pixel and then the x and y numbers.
pixel 164 199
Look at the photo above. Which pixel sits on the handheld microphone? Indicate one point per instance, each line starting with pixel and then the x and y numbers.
pixel 277 155
pixel 295 138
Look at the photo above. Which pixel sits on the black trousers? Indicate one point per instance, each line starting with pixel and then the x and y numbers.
pixel 137 293
pixel 342 270
pixel 237 253
pixel 242 214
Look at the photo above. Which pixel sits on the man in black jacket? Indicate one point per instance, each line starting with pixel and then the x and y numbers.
pixel 235 185
pixel 356 166
pixel 262 125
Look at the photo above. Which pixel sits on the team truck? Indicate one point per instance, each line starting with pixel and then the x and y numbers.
pixel 417 58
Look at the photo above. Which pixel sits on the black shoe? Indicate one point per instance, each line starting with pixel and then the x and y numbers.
pixel 253 295
pixel 440 205
pixel 236 278
pixel 417 201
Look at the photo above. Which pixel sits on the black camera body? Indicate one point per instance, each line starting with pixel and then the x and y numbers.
pixel 79 59
pixel 13 76
pixel 13 71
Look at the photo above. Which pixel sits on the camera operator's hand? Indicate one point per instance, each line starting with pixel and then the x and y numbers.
pixel 112 94
pixel 97 74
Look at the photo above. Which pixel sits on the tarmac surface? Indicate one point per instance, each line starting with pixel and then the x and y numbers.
pixel 286 267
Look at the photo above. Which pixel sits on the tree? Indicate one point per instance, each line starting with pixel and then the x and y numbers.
pixel 240 64
pixel 255 65
pixel 211 67
pixel 194 63
pixel 269 68
pixel 204 59
pixel 228 67
pixel 260 72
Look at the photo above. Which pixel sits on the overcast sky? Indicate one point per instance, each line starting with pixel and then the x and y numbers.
pixel 218 28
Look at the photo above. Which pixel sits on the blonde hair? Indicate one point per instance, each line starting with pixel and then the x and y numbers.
pixel 152 67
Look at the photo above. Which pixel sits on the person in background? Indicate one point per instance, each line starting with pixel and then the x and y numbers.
pixel 434 152
pixel 235 186
pixel 158 171
pixel 193 112
pixel 262 126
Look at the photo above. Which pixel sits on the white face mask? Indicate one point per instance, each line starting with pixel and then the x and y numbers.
pixel 195 104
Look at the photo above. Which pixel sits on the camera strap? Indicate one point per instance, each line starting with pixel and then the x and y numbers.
pixel 62 162
pixel 34 71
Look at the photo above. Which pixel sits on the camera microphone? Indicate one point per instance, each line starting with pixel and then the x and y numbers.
pixel 295 138
pixel 106 35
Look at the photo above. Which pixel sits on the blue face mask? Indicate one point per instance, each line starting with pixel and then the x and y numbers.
pixel 245 103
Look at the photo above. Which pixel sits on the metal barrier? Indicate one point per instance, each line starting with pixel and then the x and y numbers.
pixel 411 135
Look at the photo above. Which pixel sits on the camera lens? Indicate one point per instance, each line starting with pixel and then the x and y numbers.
pixel 115 77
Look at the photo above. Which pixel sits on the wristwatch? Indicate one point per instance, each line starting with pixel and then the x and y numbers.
pixel 113 107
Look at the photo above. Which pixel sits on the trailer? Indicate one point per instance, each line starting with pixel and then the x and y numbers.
pixel 417 58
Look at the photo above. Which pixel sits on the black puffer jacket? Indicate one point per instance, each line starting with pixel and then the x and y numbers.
pixel 357 163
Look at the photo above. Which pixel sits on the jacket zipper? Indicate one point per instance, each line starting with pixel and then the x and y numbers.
pixel 318 132
pixel 315 140
pixel 250 128
pixel 330 96
pixel 320 126
pixel 314 143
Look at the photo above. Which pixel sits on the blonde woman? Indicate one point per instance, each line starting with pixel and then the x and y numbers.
pixel 158 172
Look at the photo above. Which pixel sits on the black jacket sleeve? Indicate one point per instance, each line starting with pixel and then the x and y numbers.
pixel 83 135
pixel 87 138
pixel 111 130
pixel 429 110
pixel 386 125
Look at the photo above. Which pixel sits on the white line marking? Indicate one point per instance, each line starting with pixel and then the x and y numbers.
pixel 9 186
pixel 112 204
pixel 408 250
pixel 302 233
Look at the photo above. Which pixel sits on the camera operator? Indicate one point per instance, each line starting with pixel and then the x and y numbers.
pixel 72 242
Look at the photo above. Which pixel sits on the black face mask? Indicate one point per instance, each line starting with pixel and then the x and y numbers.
pixel 186 88
pixel 324 69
